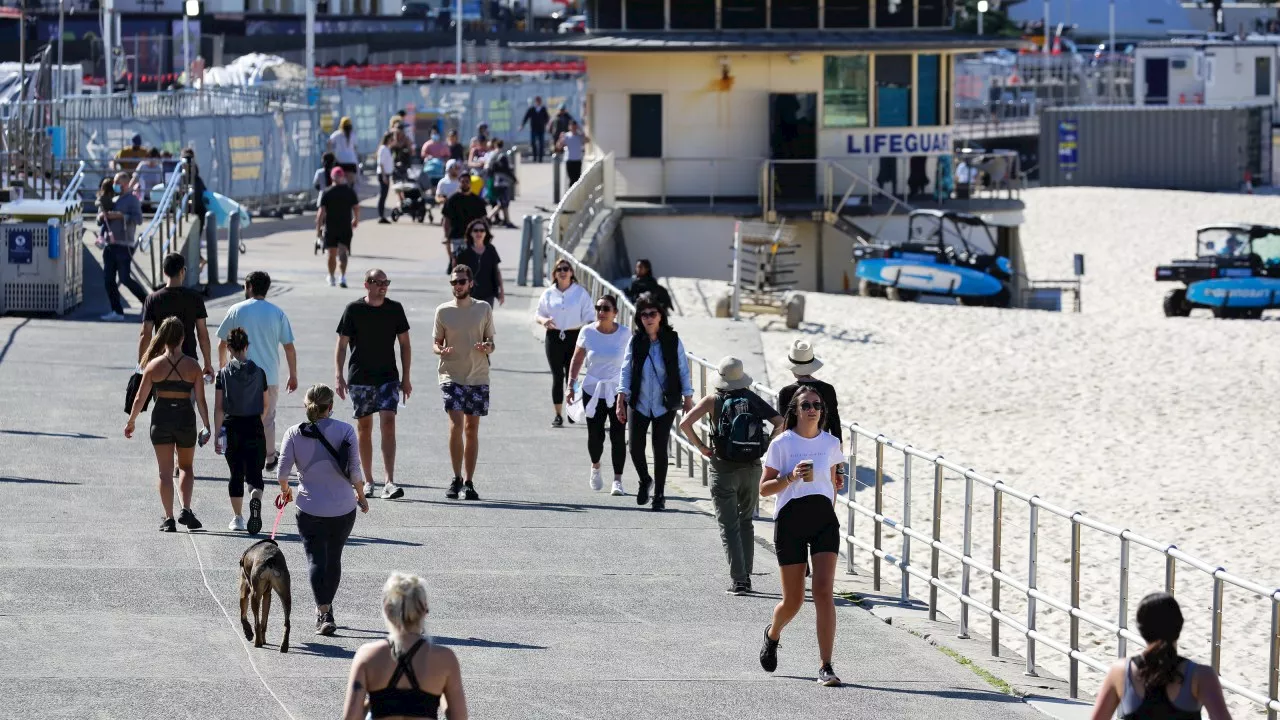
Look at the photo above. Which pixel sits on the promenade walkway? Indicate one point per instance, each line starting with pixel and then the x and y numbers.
pixel 559 602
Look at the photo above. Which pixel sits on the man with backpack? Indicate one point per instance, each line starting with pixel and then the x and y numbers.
pixel 738 441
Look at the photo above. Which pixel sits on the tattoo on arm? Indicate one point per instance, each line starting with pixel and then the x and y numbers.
pixel 357 686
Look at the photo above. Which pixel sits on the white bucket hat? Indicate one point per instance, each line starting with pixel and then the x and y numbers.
pixel 732 376
pixel 802 360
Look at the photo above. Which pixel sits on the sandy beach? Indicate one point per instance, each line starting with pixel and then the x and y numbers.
pixel 1164 426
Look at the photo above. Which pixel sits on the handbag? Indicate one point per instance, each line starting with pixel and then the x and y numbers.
pixel 131 393
pixel 340 456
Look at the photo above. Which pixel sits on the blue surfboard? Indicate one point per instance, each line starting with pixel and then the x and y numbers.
pixel 1251 292
pixel 925 277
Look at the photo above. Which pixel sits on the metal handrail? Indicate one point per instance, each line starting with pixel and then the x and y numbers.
pixel 73 186
pixel 163 207
pixel 928 572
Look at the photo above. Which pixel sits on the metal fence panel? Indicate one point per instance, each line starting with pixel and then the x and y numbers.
pixel 1182 148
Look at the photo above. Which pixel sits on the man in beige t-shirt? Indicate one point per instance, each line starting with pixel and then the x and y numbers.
pixel 464 340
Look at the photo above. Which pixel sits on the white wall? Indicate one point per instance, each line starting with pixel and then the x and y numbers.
pixel 1231 78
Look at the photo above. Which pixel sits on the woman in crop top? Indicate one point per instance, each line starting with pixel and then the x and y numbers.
pixel 405 676
pixel 172 376
pixel 800 468
pixel 240 400
pixel 1159 684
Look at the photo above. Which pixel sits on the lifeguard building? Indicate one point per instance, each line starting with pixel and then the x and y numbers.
pixel 834 116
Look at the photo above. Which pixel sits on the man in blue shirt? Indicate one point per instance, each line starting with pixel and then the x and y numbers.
pixel 268 328
pixel 122 216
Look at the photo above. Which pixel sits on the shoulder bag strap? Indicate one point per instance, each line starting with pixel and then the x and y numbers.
pixel 337 459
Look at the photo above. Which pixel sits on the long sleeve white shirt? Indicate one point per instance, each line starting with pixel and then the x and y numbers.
pixel 570 309
pixel 386 164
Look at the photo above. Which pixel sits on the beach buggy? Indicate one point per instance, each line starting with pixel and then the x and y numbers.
pixel 1235 274
pixel 947 253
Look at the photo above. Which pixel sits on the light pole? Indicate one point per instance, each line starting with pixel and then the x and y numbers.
pixel 1047 48
pixel 1111 46
pixel 983 6
pixel 108 44
pixel 457 58
pixel 190 9
pixel 57 91
pixel 311 43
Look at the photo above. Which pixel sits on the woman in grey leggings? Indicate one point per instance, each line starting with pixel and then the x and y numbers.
pixel 329 490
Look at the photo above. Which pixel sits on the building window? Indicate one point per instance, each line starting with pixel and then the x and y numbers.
pixel 933 13
pixel 929 89
pixel 842 14
pixel 794 14
pixel 895 13
pixel 693 15
pixel 646 126
pixel 606 14
pixel 742 14
pixel 645 15
pixel 845 92
pixel 893 90
pixel 1262 76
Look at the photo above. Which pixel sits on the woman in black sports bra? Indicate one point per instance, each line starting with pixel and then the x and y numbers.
pixel 405 676
pixel 172 376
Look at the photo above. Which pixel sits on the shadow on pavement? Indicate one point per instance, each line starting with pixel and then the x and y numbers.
pixel 72 436
pixel 34 481
pixel 554 507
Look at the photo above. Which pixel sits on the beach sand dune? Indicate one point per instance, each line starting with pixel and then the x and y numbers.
pixel 1167 427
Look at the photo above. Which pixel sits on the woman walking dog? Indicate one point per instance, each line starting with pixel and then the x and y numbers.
pixel 801 469
pixel 172 376
pixel 563 309
pixel 330 488
pixel 241 397
pixel 601 347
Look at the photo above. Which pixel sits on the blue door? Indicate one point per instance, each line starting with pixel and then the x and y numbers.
pixel 1157 85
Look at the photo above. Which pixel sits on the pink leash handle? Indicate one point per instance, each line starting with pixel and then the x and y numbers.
pixel 280 503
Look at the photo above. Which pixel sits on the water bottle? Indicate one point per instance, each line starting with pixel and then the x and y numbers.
pixel 222 441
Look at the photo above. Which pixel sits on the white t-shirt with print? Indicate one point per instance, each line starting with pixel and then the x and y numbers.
pixel 788 449
pixel 603 363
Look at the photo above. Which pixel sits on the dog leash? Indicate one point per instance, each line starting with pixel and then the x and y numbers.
pixel 280 505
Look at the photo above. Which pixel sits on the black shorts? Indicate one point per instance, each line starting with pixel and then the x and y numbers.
pixel 806 526
pixel 333 240
pixel 173 422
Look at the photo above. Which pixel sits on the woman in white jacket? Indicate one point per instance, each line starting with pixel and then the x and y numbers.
pixel 601 346
pixel 564 308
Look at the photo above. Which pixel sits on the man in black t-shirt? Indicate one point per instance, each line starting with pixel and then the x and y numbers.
pixel 457 213
pixel 336 221
pixel 184 303
pixel 371 327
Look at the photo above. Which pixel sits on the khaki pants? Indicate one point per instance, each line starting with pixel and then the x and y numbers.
pixel 269 419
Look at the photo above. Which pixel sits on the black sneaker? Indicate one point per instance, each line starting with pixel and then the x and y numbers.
pixel 642 494
pixel 168 525
pixel 746 585
pixel 255 516
pixel 188 518
pixel 571 422
pixel 736 588
pixel 557 421
pixel 273 462
pixel 455 487
pixel 325 624
pixel 659 503
pixel 471 493
pixel 769 651
pixel 827 676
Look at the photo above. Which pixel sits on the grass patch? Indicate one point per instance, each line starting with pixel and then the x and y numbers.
pixel 991 680
pixel 851 597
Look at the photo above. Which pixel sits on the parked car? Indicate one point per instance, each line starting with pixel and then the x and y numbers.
pixel 1235 274
pixel 573 24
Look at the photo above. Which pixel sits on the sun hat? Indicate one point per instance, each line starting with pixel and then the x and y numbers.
pixel 732 376
pixel 802 360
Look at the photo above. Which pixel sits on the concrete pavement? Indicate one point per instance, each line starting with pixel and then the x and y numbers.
pixel 559 601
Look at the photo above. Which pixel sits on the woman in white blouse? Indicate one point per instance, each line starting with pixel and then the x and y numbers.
pixel 342 143
pixel 386 168
pixel 601 346
pixel 564 308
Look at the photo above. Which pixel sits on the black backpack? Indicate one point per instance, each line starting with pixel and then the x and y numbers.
pixel 739 433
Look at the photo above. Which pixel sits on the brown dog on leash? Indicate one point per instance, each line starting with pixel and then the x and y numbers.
pixel 263 569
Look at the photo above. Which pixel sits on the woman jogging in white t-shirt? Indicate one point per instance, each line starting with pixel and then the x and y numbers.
pixel 800 468
pixel 601 346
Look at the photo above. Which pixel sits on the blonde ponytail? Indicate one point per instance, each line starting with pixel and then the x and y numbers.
pixel 404 601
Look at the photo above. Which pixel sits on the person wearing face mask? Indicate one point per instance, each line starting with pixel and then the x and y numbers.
pixel 464 341
pixel 435 147
pixel 119 213
pixel 268 329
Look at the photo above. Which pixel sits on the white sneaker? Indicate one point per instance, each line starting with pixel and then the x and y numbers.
pixel 368 489
pixel 342 281
pixel 330 279
pixel 237 523
pixel 597 481
pixel 112 316
pixel 391 491
pixel 617 488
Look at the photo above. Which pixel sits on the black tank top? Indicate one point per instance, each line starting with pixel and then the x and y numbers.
pixel 412 701
pixel 179 385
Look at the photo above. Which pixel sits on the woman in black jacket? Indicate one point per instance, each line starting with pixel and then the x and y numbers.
pixel 644 282
pixel 655 383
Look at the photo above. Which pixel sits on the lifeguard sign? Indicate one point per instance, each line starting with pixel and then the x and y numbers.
pixel 882 142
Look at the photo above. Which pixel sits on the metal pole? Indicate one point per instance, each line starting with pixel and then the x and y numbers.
pixel 968 551
pixel 1047 47
pixel 457 57
pixel 879 528
pixel 311 43
pixel 1073 677
pixel 108 44
pixel 57 92
pixel 1033 531
pixel 1215 653
pixel 937 537
pixel 1273 677
pixel 211 247
pixel 906 524
pixel 997 528
pixel 980 16
pixel 1122 644
pixel 233 249
pixel 186 48
pixel 1111 47
pixel 735 296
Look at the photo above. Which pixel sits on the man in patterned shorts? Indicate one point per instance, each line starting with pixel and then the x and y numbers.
pixel 372 326
pixel 464 340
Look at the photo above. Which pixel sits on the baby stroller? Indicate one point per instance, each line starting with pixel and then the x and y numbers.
pixel 418 195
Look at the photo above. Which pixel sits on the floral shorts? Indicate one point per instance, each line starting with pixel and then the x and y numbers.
pixel 468 399
pixel 370 399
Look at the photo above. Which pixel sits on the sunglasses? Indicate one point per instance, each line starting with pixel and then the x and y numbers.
pixel 564 269
pixel 603 308
pixel 815 406
pixel 462 281
pixel 477 229
pixel 380 283
pixel 648 314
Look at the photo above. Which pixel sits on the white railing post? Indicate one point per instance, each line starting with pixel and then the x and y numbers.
pixel 850 566
pixel 937 538
pixel 1122 642
pixel 1273 673
pixel 906 524
pixel 1073 678
pixel 968 554
pixel 997 530
pixel 879 526
pixel 1033 531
